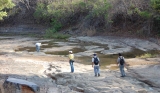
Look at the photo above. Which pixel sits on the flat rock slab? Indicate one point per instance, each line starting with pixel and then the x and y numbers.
pixel 13 85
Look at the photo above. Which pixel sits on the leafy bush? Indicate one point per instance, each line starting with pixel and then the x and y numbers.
pixel 156 5
pixel 56 25
pixel 5 4
pixel 41 12
pixel 145 14
pixel 156 18
pixel 66 12
pixel 64 9
pixel 100 8
pixel 50 33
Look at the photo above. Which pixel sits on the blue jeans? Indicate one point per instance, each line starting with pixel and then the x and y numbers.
pixel 96 70
pixel 72 66
pixel 121 67
pixel 37 48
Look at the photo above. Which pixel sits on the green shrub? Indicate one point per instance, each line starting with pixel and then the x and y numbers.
pixel 64 13
pixel 155 5
pixel 145 14
pixel 100 8
pixel 5 4
pixel 41 13
pixel 147 55
pixel 52 33
pixel 56 25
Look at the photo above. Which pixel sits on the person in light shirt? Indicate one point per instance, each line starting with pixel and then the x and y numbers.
pixel 71 60
pixel 96 64
pixel 121 64
pixel 38 47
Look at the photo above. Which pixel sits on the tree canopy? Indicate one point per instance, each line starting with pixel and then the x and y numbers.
pixel 4 4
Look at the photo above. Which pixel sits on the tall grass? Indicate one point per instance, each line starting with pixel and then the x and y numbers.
pixel 146 55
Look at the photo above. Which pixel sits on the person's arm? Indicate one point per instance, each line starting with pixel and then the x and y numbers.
pixel 69 56
pixel 92 62
pixel 118 61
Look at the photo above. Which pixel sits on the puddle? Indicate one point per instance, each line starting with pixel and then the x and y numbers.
pixel 29 49
pixel 75 50
pixel 48 45
pixel 105 60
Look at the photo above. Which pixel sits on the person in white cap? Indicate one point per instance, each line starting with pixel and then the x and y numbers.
pixel 95 63
pixel 38 47
pixel 71 60
pixel 121 64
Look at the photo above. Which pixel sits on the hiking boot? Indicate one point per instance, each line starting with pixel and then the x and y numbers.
pixel 98 74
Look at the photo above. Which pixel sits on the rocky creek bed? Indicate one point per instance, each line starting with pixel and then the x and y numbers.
pixel 52 72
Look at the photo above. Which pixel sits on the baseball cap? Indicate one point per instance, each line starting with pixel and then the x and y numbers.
pixel 70 51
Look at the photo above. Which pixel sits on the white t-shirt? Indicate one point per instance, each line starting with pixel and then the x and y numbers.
pixel 38 44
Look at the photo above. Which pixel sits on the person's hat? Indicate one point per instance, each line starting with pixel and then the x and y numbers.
pixel 94 54
pixel 70 51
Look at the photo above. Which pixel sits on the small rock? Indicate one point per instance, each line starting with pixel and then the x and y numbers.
pixel 142 91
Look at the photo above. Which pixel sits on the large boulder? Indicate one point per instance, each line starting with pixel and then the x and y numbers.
pixel 13 85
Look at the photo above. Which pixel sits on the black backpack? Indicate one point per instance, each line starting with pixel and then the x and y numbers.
pixel 121 61
pixel 96 61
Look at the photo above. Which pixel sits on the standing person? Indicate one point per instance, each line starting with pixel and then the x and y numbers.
pixel 95 63
pixel 38 47
pixel 121 63
pixel 71 60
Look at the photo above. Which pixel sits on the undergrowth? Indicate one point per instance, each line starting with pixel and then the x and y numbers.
pixel 139 17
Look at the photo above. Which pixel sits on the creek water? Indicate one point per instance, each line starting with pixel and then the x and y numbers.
pixel 105 60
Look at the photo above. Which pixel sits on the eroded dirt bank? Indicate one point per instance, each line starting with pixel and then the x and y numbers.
pixel 52 72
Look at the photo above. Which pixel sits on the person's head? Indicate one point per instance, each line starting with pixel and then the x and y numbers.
pixel 70 52
pixel 120 54
pixel 94 54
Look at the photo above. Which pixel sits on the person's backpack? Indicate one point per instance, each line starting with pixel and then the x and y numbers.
pixel 96 61
pixel 121 61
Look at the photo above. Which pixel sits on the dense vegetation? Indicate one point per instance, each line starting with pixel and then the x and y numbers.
pixel 67 13
pixel 89 17
pixel 4 5
pixel 132 17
